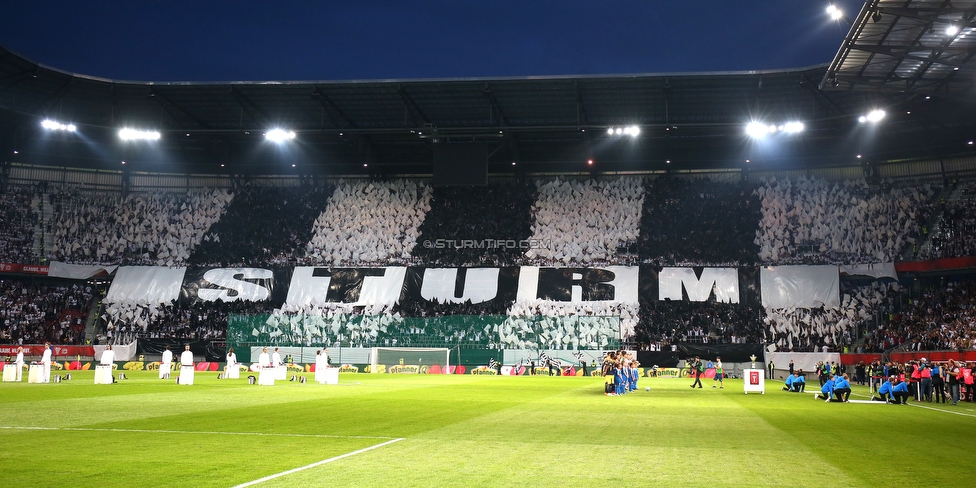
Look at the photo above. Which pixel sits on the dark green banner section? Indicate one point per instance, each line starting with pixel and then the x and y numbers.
pixel 487 332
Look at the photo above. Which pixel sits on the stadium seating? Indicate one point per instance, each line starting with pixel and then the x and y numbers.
pixel 34 312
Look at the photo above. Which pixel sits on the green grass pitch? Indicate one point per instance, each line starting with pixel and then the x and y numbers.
pixel 440 430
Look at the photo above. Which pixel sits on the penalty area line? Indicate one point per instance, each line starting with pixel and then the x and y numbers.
pixel 153 431
pixel 318 463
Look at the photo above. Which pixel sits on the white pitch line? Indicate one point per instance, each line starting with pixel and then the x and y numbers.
pixel 150 431
pixel 915 404
pixel 319 463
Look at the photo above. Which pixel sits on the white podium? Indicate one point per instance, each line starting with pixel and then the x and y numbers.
pixel 10 372
pixel 281 373
pixel 754 380
pixel 103 374
pixel 267 376
pixel 35 374
pixel 327 376
pixel 164 369
pixel 232 372
pixel 186 375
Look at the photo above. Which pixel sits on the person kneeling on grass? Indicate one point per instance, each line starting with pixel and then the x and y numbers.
pixel 884 391
pixel 842 388
pixel 789 382
pixel 826 391
pixel 800 383
pixel 900 392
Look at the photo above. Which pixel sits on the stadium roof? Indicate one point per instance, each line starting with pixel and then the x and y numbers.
pixel 542 124
pixel 918 46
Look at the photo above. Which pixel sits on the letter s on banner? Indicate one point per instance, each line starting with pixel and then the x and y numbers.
pixel 232 279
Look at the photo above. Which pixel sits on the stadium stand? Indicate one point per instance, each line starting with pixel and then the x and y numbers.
pixel 498 212
pixel 263 226
pixel 18 218
pixel 814 221
pixel 942 318
pixel 955 233
pixel 369 223
pixel 584 222
pixel 697 221
pixel 35 312
pixel 138 229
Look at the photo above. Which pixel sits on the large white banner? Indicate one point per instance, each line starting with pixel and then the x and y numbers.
pixel 57 269
pixel 480 285
pixel 800 286
pixel 724 281
pixel 576 285
pixel 145 284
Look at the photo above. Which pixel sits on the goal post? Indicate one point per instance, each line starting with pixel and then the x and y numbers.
pixel 410 360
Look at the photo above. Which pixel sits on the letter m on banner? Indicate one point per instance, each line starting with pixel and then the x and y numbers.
pixel 699 286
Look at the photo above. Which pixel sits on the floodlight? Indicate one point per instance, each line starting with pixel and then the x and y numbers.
pixel 834 12
pixel 793 127
pixel 610 131
pixel 633 130
pixel 279 135
pixel 952 30
pixel 873 116
pixel 757 130
pixel 139 135
pixel 54 125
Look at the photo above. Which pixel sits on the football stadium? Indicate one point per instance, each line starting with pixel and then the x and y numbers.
pixel 723 278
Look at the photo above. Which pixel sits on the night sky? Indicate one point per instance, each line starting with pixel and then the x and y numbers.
pixel 372 39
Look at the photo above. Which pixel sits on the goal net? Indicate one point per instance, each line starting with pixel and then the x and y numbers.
pixel 434 360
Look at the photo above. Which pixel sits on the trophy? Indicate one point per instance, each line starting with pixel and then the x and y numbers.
pixel 753 358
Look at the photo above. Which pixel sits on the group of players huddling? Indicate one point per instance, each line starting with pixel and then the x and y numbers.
pixel 620 372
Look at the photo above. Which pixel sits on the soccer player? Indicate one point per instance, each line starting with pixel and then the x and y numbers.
pixel 635 374
pixel 620 379
pixel 719 373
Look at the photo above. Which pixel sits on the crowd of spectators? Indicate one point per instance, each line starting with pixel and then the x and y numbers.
pixel 263 226
pixel 672 321
pixel 956 236
pixel 814 221
pixel 943 318
pixel 38 312
pixel 18 219
pixel 585 221
pixel 834 328
pixel 137 229
pixel 498 212
pixel 698 221
pixel 124 323
pixel 369 223
pixel 548 324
